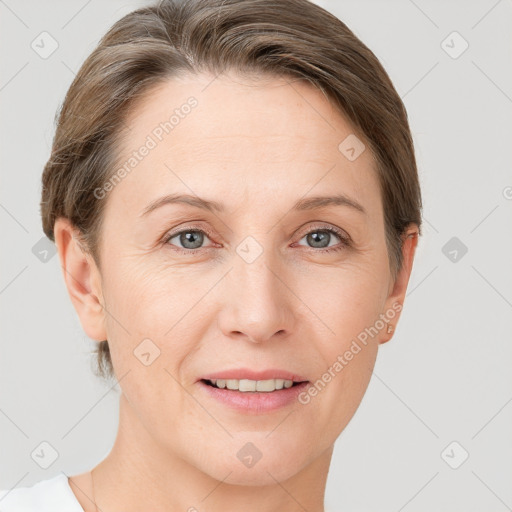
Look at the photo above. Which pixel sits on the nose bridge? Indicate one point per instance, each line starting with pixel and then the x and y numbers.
pixel 258 304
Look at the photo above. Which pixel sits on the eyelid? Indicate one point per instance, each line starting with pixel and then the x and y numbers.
pixel 192 227
pixel 344 236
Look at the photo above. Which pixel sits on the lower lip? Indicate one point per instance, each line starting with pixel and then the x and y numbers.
pixel 255 402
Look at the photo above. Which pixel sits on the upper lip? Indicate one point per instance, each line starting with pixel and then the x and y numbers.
pixel 245 373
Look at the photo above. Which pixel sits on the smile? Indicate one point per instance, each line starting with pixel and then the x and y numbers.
pixel 248 385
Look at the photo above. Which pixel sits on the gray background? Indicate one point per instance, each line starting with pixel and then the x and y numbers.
pixel 445 376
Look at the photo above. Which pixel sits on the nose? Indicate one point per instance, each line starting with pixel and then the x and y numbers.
pixel 258 303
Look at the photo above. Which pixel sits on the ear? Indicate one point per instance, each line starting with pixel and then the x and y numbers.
pixel 82 278
pixel 398 287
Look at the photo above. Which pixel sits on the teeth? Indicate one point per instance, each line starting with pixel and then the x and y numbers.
pixel 246 385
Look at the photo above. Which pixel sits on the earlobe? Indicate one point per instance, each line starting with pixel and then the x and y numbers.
pixel 82 279
pixel 399 287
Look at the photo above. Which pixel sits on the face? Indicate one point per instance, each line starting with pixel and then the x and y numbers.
pixel 266 279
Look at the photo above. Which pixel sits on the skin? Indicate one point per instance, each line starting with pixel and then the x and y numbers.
pixel 257 146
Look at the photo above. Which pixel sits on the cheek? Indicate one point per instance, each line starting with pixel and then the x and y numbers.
pixel 342 387
pixel 139 307
pixel 154 310
pixel 347 302
pixel 343 300
pixel 145 305
pixel 142 295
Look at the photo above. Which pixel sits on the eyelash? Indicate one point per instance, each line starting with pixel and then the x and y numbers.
pixel 345 239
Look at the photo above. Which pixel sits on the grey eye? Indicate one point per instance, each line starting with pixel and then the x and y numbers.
pixel 189 239
pixel 320 238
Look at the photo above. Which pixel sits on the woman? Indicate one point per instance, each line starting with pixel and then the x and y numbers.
pixel 234 197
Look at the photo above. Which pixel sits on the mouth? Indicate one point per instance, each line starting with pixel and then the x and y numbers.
pixel 252 386
pixel 264 392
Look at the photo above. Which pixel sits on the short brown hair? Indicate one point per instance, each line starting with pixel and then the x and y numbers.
pixel 291 38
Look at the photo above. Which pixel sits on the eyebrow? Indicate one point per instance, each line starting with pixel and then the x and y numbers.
pixel 309 203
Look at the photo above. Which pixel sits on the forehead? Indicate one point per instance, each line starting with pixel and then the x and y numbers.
pixel 241 141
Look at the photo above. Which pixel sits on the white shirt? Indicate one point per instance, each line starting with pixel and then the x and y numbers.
pixel 50 495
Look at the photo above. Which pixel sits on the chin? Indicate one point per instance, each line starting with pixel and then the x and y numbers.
pixel 257 476
pixel 253 464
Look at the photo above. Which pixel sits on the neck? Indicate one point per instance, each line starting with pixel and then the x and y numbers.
pixel 139 473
